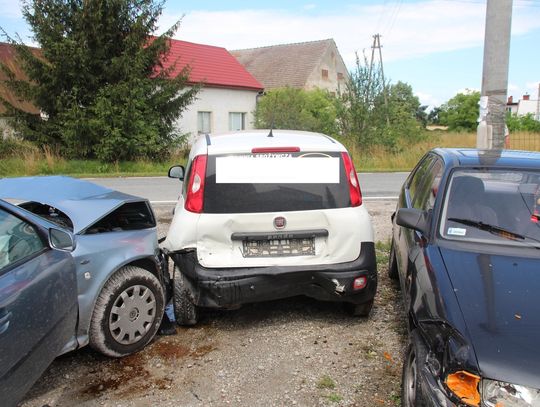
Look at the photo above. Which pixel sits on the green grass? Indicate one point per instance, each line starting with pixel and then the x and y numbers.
pixel 23 159
pixel 326 382
pixel 378 159
pixel 37 164
pixel 334 397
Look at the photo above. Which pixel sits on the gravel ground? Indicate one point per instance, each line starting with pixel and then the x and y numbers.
pixel 282 353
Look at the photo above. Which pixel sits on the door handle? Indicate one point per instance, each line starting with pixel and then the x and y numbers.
pixel 4 322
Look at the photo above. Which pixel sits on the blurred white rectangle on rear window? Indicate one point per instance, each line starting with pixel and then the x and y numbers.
pixel 277 170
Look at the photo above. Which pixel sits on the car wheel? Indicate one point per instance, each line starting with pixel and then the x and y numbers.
pixel 185 310
pixel 392 263
pixel 359 310
pixel 128 312
pixel 411 394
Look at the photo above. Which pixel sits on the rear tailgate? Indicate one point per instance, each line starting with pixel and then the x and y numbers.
pixel 279 209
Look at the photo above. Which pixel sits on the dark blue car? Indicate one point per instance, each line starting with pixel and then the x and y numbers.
pixel 466 251
pixel 38 299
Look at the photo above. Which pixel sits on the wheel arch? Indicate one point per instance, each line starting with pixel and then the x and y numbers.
pixel 88 299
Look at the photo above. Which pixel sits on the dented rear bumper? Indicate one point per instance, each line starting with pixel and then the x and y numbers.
pixel 231 287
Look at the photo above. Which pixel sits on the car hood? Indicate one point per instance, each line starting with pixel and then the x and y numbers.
pixel 499 298
pixel 84 202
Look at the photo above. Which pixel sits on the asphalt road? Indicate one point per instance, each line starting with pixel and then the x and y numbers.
pixel 382 185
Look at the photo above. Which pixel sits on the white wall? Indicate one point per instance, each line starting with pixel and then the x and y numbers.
pixel 220 102
pixel 332 62
pixel 528 107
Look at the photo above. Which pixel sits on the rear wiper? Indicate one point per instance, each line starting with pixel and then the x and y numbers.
pixel 495 230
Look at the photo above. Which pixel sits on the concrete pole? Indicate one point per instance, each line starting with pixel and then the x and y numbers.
pixel 491 129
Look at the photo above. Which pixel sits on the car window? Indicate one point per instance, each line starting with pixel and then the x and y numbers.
pixel 18 240
pixel 272 183
pixel 508 200
pixel 418 176
pixel 426 192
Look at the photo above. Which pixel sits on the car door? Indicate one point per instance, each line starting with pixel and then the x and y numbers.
pixel 423 198
pixel 38 302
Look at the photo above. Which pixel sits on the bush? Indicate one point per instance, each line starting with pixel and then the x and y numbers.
pixel 522 123
pixel 297 109
pixel 10 148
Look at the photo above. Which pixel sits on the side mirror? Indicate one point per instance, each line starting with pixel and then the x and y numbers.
pixel 413 218
pixel 177 171
pixel 61 240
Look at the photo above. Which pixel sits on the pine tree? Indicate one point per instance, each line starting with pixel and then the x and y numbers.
pixel 98 79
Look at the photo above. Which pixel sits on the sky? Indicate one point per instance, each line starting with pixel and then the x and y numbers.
pixel 436 46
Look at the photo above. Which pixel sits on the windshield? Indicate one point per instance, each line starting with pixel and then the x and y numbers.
pixel 499 206
pixel 275 182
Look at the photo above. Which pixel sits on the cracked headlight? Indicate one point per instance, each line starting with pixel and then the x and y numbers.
pixel 498 394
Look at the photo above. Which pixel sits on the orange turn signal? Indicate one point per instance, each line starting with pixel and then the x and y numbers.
pixel 464 385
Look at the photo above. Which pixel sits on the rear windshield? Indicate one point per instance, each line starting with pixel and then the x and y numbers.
pixel 275 182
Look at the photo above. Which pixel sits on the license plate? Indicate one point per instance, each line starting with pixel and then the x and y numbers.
pixel 279 247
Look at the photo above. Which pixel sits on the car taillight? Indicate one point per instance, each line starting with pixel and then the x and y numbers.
pixel 352 178
pixel 195 189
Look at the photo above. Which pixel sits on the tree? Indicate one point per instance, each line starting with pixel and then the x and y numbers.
pixel 433 116
pixel 461 112
pixel 369 117
pixel 522 123
pixel 297 109
pixel 99 79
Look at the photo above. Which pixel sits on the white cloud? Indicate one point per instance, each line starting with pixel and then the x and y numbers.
pixel 428 99
pixel 408 30
pixel 512 88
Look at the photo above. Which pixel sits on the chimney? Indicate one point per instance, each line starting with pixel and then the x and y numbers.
pixel 510 100
pixel 526 97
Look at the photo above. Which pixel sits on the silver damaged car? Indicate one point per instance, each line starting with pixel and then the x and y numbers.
pixel 120 277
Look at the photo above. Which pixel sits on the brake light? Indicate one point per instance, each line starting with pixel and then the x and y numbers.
pixel 359 283
pixel 275 150
pixel 352 178
pixel 195 189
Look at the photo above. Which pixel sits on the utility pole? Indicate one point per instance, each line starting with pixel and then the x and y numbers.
pixel 491 129
pixel 538 104
pixel 377 45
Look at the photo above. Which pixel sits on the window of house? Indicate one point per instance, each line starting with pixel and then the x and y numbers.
pixel 237 121
pixel 325 73
pixel 204 122
pixel 340 76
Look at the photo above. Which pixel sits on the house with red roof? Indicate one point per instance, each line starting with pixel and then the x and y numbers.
pixel 226 101
pixel 228 97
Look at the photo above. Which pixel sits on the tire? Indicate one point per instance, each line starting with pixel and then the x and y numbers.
pixel 359 310
pixel 411 391
pixel 392 263
pixel 185 310
pixel 143 293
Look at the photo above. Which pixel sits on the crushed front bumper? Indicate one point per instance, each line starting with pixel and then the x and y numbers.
pixel 231 287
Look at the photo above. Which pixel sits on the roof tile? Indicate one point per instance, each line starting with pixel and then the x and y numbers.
pixel 214 66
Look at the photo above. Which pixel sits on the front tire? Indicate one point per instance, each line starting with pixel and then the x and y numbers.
pixel 185 310
pixel 127 313
pixel 392 263
pixel 411 392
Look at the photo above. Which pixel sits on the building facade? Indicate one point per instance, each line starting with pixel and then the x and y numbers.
pixel 524 106
pixel 306 65
pixel 228 96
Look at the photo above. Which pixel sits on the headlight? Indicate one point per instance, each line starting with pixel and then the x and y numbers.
pixel 501 394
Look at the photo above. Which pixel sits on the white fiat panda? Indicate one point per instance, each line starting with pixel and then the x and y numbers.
pixel 266 215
